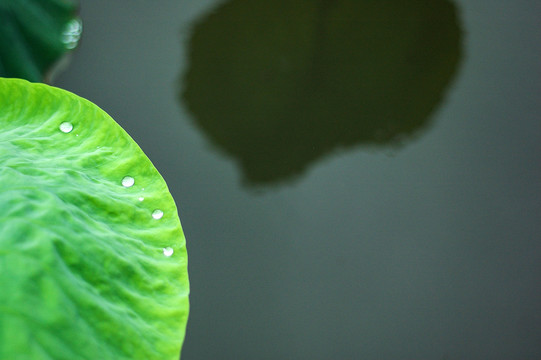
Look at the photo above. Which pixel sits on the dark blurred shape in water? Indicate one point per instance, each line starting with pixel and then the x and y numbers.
pixel 279 84
pixel 35 35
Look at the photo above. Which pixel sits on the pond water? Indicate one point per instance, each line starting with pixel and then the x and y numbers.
pixel 355 179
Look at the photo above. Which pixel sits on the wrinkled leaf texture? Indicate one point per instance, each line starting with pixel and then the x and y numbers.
pixel 83 273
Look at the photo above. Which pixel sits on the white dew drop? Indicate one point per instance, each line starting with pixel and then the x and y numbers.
pixel 66 127
pixel 128 181
pixel 141 198
pixel 168 251
pixel 157 214
pixel 72 33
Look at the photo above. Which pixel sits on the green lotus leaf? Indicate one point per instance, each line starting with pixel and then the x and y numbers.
pixel 279 84
pixel 34 34
pixel 93 261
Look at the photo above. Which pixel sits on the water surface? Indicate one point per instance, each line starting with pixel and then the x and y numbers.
pixel 390 211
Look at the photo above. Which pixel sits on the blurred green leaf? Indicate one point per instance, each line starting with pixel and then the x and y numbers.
pixel 34 34
pixel 93 260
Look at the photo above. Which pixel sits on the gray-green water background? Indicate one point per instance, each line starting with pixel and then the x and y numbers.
pixel 416 241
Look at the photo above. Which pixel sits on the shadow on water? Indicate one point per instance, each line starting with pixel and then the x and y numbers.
pixel 279 84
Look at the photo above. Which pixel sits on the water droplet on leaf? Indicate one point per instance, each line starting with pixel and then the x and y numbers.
pixel 128 181
pixel 168 251
pixel 66 127
pixel 157 214
pixel 72 33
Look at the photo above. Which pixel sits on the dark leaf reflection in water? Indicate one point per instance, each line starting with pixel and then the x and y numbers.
pixel 278 85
